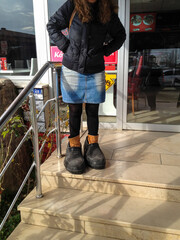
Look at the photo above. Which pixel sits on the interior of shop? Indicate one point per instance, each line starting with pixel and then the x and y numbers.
pixel 154 62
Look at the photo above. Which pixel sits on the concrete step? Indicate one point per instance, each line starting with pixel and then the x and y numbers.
pixel 105 215
pixel 26 232
pixel 137 179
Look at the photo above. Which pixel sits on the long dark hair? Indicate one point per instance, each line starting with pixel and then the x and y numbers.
pixel 105 9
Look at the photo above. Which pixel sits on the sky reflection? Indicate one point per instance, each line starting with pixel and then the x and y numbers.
pixel 17 15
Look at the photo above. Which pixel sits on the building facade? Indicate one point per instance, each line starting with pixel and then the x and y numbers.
pixel 142 78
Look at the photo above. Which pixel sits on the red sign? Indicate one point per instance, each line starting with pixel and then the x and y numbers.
pixel 143 22
pixel 57 56
pixel 112 59
pixel 3 63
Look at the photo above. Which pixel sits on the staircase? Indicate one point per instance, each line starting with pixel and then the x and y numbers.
pixel 137 196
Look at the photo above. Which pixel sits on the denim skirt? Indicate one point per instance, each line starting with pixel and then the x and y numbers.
pixel 82 88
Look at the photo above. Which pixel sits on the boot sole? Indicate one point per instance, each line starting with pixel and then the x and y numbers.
pixel 97 167
pixel 75 171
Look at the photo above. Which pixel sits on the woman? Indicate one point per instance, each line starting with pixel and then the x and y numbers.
pixel 83 78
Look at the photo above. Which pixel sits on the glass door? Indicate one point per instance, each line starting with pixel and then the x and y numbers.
pixel 153 78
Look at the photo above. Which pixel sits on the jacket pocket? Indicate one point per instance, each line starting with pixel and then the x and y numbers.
pixel 95 58
pixel 72 53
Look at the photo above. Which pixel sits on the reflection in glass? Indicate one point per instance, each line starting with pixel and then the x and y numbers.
pixel 17 38
pixel 154 64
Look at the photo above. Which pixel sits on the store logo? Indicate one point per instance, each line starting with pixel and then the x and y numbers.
pixel 143 22
pixel 56 54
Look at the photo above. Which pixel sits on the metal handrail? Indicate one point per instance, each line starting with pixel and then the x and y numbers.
pixel 34 129
pixel 42 109
pixel 14 153
pixel 54 129
pixel 23 94
pixel 17 195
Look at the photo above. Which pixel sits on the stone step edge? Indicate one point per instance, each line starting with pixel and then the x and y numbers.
pixel 101 221
pixel 23 227
pixel 146 192
pixel 119 181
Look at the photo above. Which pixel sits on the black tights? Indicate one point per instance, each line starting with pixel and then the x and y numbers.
pixel 75 112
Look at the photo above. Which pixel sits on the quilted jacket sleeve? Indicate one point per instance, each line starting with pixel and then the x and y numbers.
pixel 58 22
pixel 117 33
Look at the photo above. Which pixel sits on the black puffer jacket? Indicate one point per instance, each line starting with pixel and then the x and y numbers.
pixel 84 50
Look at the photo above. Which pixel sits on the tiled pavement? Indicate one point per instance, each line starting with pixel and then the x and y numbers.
pixel 137 196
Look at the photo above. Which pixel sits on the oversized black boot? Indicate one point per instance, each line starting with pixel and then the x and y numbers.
pixel 74 161
pixel 93 155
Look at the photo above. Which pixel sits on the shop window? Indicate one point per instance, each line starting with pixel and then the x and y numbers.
pixel 154 63
pixel 17 38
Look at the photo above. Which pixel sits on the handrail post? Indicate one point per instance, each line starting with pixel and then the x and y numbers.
pixel 55 85
pixel 35 145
